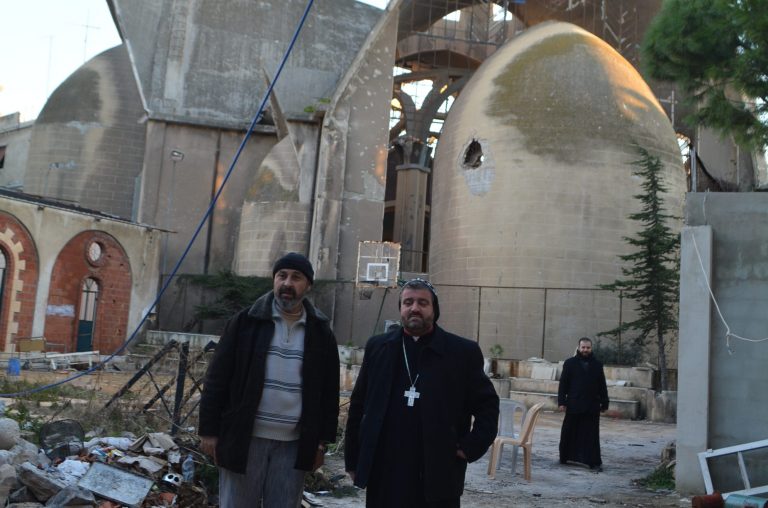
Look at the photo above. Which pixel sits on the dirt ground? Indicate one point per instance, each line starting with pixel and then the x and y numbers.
pixel 630 450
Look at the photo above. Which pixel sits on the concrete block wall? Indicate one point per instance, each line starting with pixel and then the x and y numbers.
pixel 529 322
pixel 722 394
pixel 267 230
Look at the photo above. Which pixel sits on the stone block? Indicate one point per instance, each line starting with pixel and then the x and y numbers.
pixel 501 385
pixel 72 496
pixel 543 371
pixel 662 407
pixel 637 376
pixel 42 484
pixel 24 451
pixel 6 457
pixel 9 433
pixel 7 482
pixel 21 496
pixel 534 385
pixel 347 376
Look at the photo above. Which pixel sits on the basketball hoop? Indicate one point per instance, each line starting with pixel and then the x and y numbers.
pixel 378 264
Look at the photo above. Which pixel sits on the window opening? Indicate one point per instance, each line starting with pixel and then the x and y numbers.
pixel 89 297
pixel 3 269
pixel 453 16
pixel 95 251
pixel 500 13
pixel 473 156
pixel 395 112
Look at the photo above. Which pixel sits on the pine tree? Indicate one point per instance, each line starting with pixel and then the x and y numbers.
pixel 651 274
pixel 716 51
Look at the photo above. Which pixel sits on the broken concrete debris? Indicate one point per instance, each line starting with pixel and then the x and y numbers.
pixel 72 495
pixel 106 472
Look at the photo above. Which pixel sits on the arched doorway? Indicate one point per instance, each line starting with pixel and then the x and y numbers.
pixel 90 294
pixel 3 268
pixel 18 281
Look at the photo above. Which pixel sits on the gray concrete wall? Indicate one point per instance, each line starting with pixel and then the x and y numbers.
pixel 722 398
pixel 51 228
pixel 205 61
pixel 176 194
pixel 277 212
pixel 727 162
pixel 349 197
pixel 14 136
pixel 694 362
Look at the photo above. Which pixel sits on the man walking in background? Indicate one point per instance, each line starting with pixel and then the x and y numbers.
pixel 583 395
pixel 410 431
pixel 271 396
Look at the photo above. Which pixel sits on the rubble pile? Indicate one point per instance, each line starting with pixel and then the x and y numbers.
pixel 152 470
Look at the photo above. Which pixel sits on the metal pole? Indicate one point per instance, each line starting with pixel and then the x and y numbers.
pixel 621 307
pixel 694 171
pixel 139 373
pixel 180 379
pixel 544 324
pixel 479 304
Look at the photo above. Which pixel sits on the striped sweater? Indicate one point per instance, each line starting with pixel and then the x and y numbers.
pixel 280 407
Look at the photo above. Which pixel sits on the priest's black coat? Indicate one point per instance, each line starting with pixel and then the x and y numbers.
pixel 584 393
pixel 454 389
pixel 582 390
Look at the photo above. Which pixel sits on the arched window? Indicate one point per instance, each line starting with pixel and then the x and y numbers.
pixel 3 267
pixel 89 299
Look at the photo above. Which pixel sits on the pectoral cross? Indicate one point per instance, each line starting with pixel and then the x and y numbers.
pixel 411 394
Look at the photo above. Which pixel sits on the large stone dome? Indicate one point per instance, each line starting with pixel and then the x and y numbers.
pixel 533 184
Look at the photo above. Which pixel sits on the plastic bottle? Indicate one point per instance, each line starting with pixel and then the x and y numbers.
pixel 188 469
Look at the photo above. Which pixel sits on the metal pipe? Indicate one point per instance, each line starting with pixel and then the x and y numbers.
pixel 180 381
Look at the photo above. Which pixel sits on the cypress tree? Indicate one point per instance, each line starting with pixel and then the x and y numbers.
pixel 651 271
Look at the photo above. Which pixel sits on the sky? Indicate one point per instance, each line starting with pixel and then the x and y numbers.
pixel 44 41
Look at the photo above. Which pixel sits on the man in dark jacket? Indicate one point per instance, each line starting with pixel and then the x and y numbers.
pixel 582 394
pixel 271 396
pixel 410 432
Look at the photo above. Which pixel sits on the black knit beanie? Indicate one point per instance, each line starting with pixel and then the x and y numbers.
pixel 295 261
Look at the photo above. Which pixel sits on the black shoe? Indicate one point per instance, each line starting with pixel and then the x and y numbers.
pixel 596 469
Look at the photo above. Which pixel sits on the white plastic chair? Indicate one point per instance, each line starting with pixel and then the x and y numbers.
pixel 524 440
pixel 508 422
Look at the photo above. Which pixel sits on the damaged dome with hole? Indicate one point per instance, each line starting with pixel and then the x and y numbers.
pixel 533 178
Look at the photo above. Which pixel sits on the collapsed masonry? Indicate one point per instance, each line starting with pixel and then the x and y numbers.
pixel 108 472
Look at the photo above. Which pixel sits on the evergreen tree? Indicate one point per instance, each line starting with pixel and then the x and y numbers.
pixel 651 274
pixel 717 52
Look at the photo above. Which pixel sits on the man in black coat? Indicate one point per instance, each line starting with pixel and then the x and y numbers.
pixel 271 396
pixel 410 431
pixel 583 395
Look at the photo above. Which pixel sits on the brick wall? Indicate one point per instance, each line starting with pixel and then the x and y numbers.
pixel 20 286
pixel 112 272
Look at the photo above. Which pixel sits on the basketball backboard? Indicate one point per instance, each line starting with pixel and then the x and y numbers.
pixel 377 264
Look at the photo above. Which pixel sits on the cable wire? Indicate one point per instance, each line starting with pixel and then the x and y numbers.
pixel 728 333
